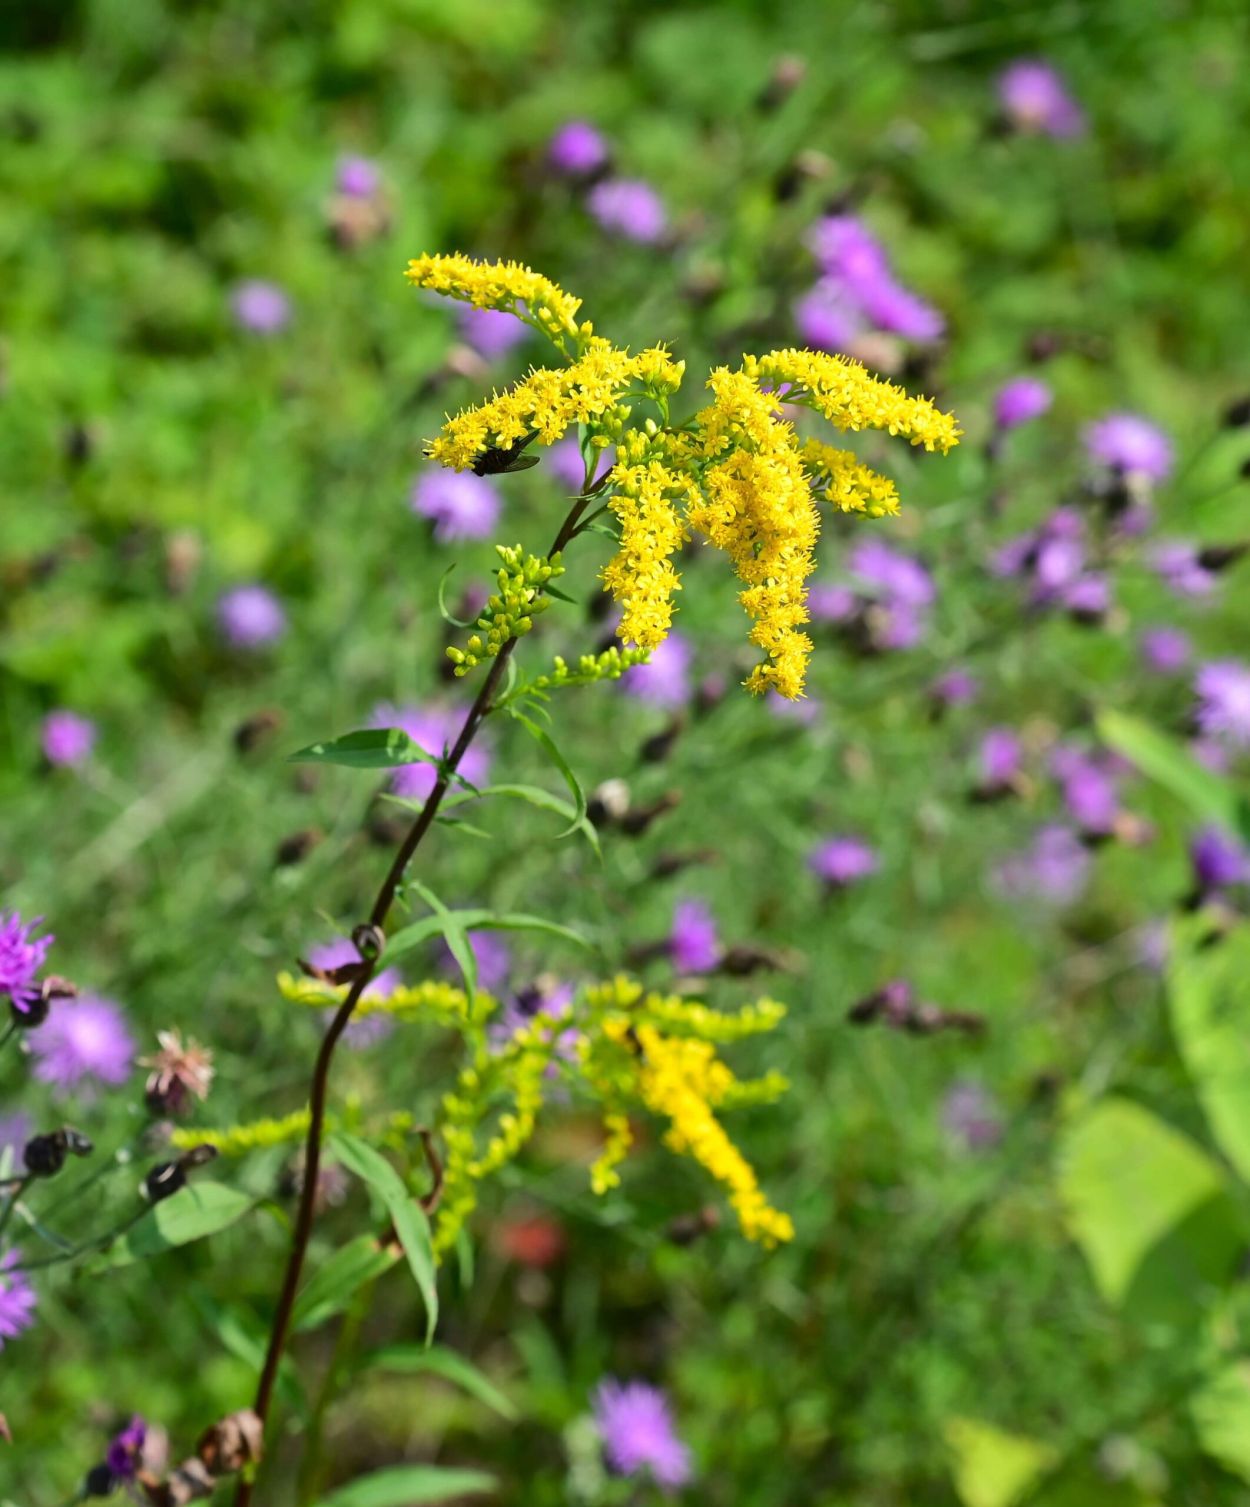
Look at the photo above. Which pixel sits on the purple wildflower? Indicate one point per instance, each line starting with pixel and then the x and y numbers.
pixel 1165 650
pixel 15 1131
pixel 841 861
pixel 827 318
pixel 491 333
pixel 1210 754
pixel 259 307
pixel 1089 790
pixel 892 575
pixel 1223 687
pixel 955 687
pixel 250 616
pixel 1035 98
pixel 1178 565
pixel 22 955
pixel 1088 598
pixel 67 739
pixel 1217 859
pixel 897 310
pixel 17 1299
pixel 831 604
pixel 577 149
pixel 1151 945
pixel 358 177
pixel 492 955
pixel 125 1451
pixel 362 1030
pixel 638 1435
pixel 83 1039
pixel 970 1117
pixel 547 997
pixel 859 287
pixel 434 729
pixel 998 760
pixel 665 679
pixel 461 505
pixel 1020 401
pixel 693 942
pixel 630 208
pixel 806 710
pixel 1054 868
pixel 1128 443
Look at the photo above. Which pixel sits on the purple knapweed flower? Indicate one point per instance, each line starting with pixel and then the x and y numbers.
pixel 892 575
pixel 17 1299
pixel 492 333
pixel 859 288
pixel 491 954
pixel 1087 598
pixel 1020 401
pixel 22 955
pixel 693 943
pixel 1165 650
pixel 999 756
pixel 434 729
pixel 1089 789
pixel 630 208
pixel 260 307
pixel 83 1041
pixel 828 603
pixel 898 311
pixel 1035 98
pixel 827 318
pixel 955 687
pixel 547 997
pixel 1054 868
pixel 1130 444
pixel 577 149
pixel 842 861
pixel 665 679
pixel 1223 688
pixel 67 739
pixel 362 1030
pixel 125 1451
pixel 970 1117
pixel 1178 565
pixel 1217 860
pixel 357 177
pixel 637 1430
pixel 460 505
pixel 250 617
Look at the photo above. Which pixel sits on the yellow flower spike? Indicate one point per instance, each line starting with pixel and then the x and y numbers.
pixel 618 1138
pixel 843 481
pixel 641 576
pixel 238 1140
pixel 502 285
pixel 433 1000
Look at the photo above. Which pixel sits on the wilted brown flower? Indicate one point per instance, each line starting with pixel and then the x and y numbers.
pixel 179 1073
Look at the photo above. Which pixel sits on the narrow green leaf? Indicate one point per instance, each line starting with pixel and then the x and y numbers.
pixel 409 1486
pixel 476 920
pixel 193 1213
pixel 440 1361
pixel 408 1217
pixel 1162 759
pixel 442 602
pixel 548 745
pixel 370 748
pixel 333 1284
pixel 453 932
pixel 544 800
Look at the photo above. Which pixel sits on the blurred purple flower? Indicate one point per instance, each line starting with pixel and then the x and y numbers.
pixel 17 1299
pixel 898 625
pixel 15 1131
pixel 1165 650
pixel 261 308
pixel 434 729
pixel 1089 789
pixel 461 505
pixel 22 955
pixel 805 710
pixel 1129 443
pixel 358 177
pixel 1151 945
pixel 858 286
pixel 577 149
pixel 491 333
pixel 970 1117
pixel 1089 597
pixel 891 574
pixel 362 1030
pixel 841 861
pixel 1035 98
pixel 250 616
pixel 896 309
pixel 638 1435
pixel 998 760
pixel 83 1040
pixel 827 318
pixel 1176 562
pixel 1054 868
pixel 125 1451
pixel 565 460
pixel 67 739
pixel 665 679
pixel 492 955
pixel 693 942
pixel 955 687
pixel 1020 401
pixel 629 208
pixel 1210 754
pixel 1223 687
pixel 1218 859
pixel 830 604
pixel 548 997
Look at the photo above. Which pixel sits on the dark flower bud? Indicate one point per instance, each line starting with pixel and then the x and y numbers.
pixel 1218 557
pixel 199 1156
pixel 258 727
pixel 1244 469
pixel 44 1155
pixel 658 747
pixel 233 1443
pixel 164 1181
pixel 744 959
pixel 788 73
pixel 1237 414
pixel 295 848
pixel 99 1483
pixel 34 1014
pixel 668 864
pixel 306 780
pixel 78 444
pixel 608 803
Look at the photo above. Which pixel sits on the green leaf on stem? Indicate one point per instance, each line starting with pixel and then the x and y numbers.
pixel 453 931
pixel 408 1217
pixel 439 1361
pixel 409 1486
pixel 369 748
pixel 446 615
pixel 548 746
pixel 1162 759
pixel 535 795
pixel 333 1284
pixel 477 920
pixel 194 1212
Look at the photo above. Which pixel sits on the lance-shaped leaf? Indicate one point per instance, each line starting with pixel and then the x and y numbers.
pixel 333 1284
pixel 410 1486
pixel 200 1209
pixel 1162 759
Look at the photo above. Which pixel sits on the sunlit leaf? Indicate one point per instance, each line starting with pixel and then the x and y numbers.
pixel 333 1284
pixel 442 1362
pixel 408 1486
pixel 1161 758
pixel 200 1209
pixel 993 1468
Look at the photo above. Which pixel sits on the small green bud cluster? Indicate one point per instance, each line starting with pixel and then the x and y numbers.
pixel 610 665
pixel 510 613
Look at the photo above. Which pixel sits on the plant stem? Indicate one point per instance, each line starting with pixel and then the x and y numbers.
pixel 7 1213
pixel 318 1089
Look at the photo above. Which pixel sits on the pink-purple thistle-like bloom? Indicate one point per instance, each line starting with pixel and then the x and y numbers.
pixel 1164 650
pixel 842 861
pixel 970 1117
pixel 433 729
pixel 1035 98
pixel 362 1030
pixel 1089 789
pixel 1217 859
pixel 1179 566
pixel 460 505
pixel 638 1435
pixel 357 177
pixel 22 955
pixel 84 1041
pixel 693 942
pixel 955 687
pixel 1020 401
pixel 630 208
pixel 892 575
pixel 831 603
pixel 492 333
pixel 17 1299
pixel 827 318
pixel 260 307
pixel 577 149
pixel 67 739
pixel 1054 868
pixel 858 289
pixel 999 757
pixel 1223 689
pixel 125 1451
pixel 664 680
pixel 250 617
pixel 1131 445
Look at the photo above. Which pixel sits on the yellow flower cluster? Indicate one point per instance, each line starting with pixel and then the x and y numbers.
pixel 641 576
pixel 502 285
pixel 843 481
pixel 610 665
pixel 432 999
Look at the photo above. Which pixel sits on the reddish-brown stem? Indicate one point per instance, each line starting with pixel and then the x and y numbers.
pixel 319 1088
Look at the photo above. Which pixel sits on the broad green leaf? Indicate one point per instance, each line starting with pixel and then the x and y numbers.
pixel 439 1361
pixel 993 1468
pixel 1209 1000
pixel 370 748
pixel 194 1212
pixel 1164 760
pixel 409 1219
pixel 1221 1414
pixel 453 931
pixel 1149 1208
pixel 409 1486
pixel 333 1284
